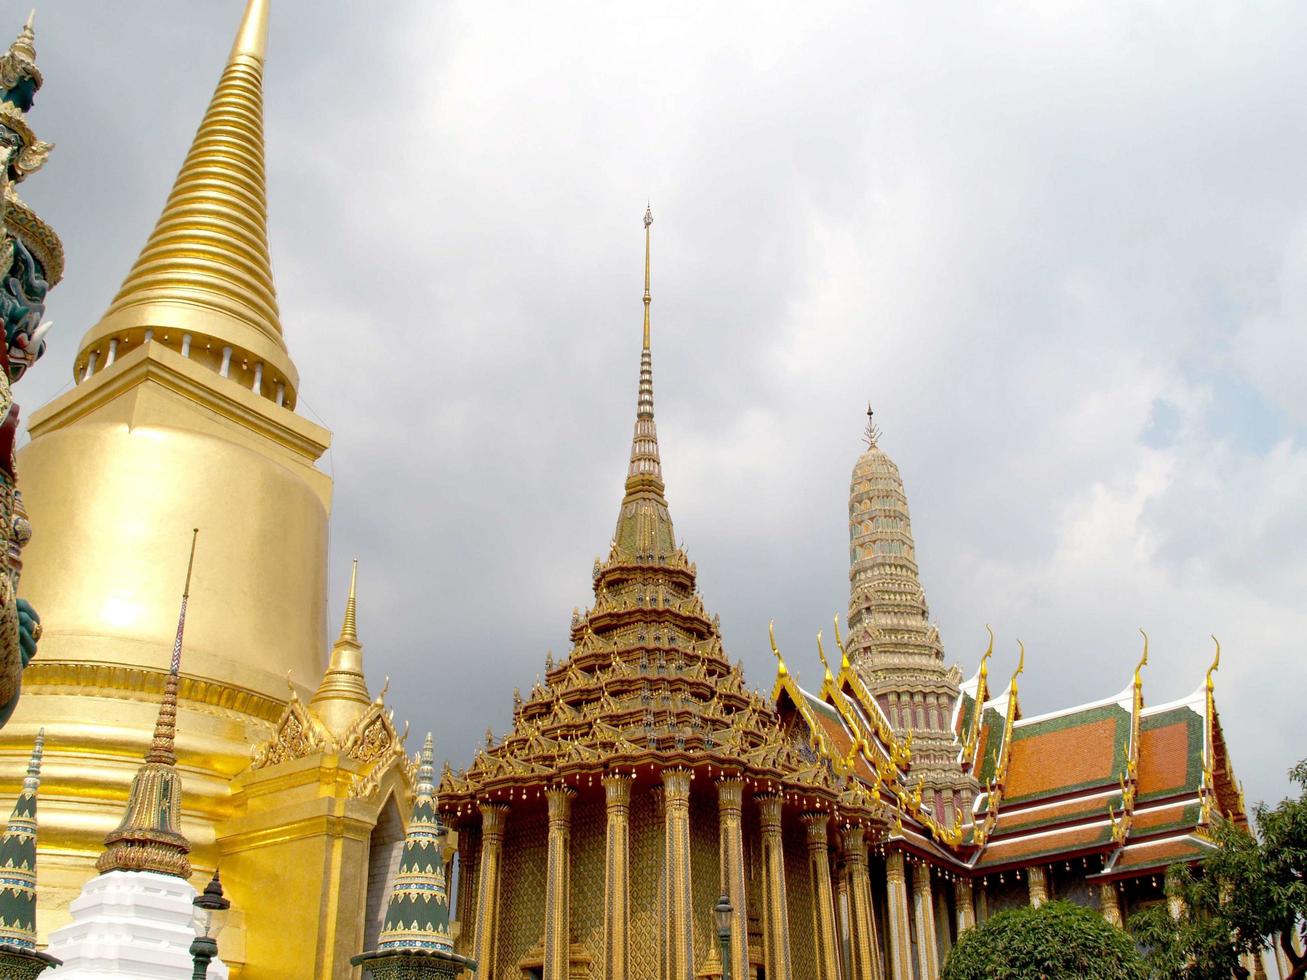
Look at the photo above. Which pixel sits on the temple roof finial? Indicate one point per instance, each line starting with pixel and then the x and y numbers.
pixel 342 696
pixel 644 526
pixel 149 837
pixel 349 627
pixel 648 297
pixel 872 432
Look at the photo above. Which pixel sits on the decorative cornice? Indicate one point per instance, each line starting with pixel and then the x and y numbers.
pixel 116 680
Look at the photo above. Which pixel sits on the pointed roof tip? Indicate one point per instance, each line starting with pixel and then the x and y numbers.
pixel 252 36
pixel 349 632
pixel 25 44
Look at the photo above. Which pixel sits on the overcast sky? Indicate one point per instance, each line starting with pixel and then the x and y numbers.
pixel 1062 248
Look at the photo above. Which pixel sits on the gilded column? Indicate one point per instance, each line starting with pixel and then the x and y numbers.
pixel 730 803
pixel 558 884
pixel 982 902
pixel 617 877
pixel 900 937
pixel 469 845
pixel 1037 884
pixel 964 899
pixel 1110 903
pixel 823 900
pixel 776 915
pixel 924 908
pixel 678 935
pixel 864 945
pixel 842 924
pixel 493 818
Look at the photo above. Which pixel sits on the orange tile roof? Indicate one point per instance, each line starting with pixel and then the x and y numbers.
pixel 1178 816
pixel 1025 847
pixel 1170 758
pixel 1055 758
pixel 1012 819
pixel 1160 854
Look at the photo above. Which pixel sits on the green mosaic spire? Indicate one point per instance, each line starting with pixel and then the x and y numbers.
pixel 418 914
pixel 18 861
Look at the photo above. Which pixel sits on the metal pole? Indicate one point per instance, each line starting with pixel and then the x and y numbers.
pixel 724 937
pixel 203 949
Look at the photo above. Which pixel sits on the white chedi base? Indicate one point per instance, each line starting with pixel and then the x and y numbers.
pixel 130 924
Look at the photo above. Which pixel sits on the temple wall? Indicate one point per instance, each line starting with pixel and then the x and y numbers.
pixel 589 843
pixel 798 887
pixel 522 888
pixel 646 885
pixel 705 865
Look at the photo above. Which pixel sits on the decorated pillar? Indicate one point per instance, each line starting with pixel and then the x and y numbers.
pixel 823 900
pixel 864 944
pixel 730 802
pixel 964 899
pixel 1109 903
pixel 982 902
pixel 842 924
pixel 493 818
pixel 775 913
pixel 558 883
pixel 923 903
pixel 469 847
pixel 1037 884
pixel 617 877
pixel 900 938
pixel 678 930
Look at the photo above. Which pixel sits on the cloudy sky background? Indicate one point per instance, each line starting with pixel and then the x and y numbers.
pixel 1062 248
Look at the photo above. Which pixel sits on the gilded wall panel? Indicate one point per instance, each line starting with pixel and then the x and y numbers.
pixel 798 886
pixel 522 888
pixel 589 845
pixel 646 872
pixel 704 866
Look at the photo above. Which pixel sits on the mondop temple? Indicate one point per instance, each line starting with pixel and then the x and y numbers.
pixel 856 826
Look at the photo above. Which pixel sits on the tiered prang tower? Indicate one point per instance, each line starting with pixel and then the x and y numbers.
pixel 892 642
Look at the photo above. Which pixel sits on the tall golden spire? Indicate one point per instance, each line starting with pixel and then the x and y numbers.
pixel 206 273
pixel 149 837
pixel 343 694
pixel 644 526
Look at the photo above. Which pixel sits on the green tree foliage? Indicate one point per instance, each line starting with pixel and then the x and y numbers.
pixel 1247 894
pixel 1057 941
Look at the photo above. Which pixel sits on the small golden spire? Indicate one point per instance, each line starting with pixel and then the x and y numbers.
pixel 342 696
pixel 648 298
pixel 349 628
pixel 163 747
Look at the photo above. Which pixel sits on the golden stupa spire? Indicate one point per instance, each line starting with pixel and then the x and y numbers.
pixel 343 694
pixel 645 526
pixel 203 282
pixel 149 837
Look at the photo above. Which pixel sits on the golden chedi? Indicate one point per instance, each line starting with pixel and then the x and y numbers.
pixel 182 416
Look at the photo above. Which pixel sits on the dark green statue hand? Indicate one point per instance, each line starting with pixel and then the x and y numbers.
pixel 29 630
